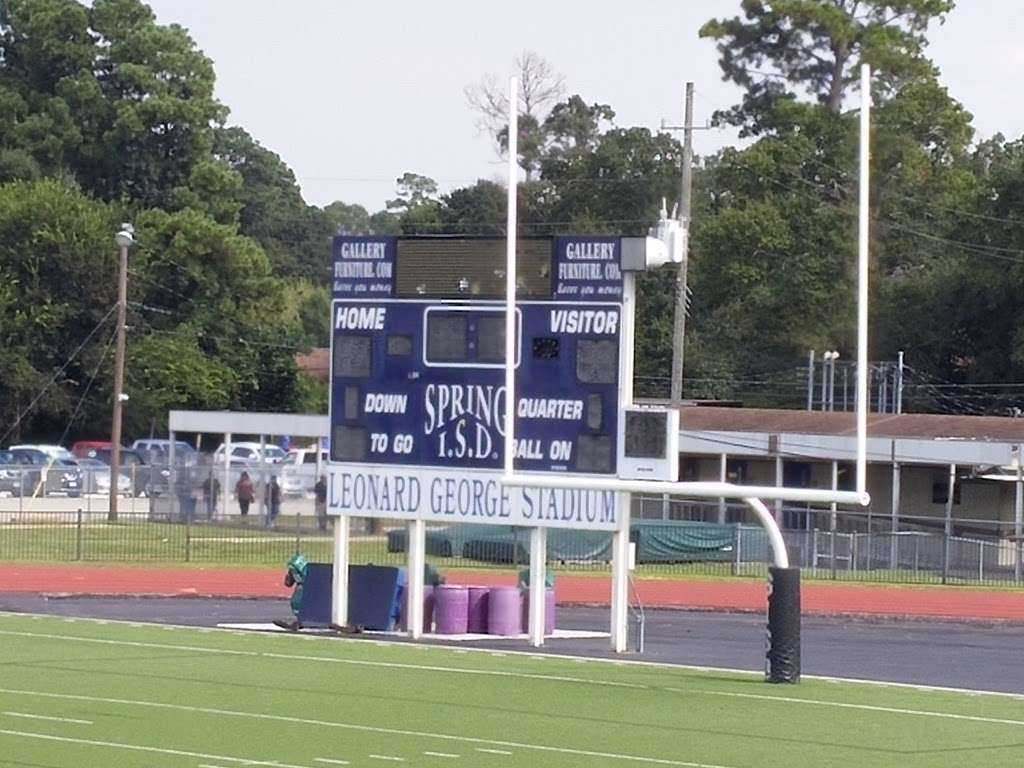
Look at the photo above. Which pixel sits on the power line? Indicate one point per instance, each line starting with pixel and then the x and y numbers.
pixel 56 374
pixel 85 392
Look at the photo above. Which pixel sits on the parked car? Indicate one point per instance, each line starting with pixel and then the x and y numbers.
pixel 45 475
pixel 53 451
pixel 16 478
pixel 158 452
pixel 65 478
pixel 246 453
pixel 96 478
pixel 298 470
pixel 146 480
pixel 85 449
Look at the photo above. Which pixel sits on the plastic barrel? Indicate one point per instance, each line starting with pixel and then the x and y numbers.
pixel 477 615
pixel 549 611
pixel 451 610
pixel 504 611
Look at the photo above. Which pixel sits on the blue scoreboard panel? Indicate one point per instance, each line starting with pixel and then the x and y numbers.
pixel 418 378
pixel 418 354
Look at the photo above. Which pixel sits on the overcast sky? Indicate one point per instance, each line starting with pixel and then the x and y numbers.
pixel 353 94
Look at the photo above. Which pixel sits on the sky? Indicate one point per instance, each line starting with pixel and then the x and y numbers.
pixel 354 94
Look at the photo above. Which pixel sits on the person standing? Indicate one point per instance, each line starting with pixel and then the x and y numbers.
pixel 272 498
pixel 211 490
pixel 245 493
pixel 320 491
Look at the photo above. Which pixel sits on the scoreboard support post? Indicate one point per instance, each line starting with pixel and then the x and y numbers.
pixel 538 567
pixel 620 582
pixel 339 588
pixel 417 535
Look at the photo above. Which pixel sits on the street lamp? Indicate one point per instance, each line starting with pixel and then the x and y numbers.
pixel 124 239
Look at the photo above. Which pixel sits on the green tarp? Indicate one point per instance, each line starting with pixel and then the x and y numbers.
pixel 657 541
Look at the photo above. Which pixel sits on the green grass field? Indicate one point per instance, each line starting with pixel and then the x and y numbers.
pixel 87 693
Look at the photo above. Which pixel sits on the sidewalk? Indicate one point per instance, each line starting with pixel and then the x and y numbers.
pixel 748 595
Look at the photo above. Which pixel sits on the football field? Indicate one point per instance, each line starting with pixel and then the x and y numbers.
pixel 91 693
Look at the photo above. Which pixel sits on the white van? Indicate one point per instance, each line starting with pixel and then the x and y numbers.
pixel 298 474
pixel 245 453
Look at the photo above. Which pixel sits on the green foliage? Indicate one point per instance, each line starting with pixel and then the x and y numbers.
pixel 56 272
pixel 106 116
pixel 815 47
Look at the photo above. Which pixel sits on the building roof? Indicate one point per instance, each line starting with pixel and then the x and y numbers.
pixel 907 425
pixel 316 363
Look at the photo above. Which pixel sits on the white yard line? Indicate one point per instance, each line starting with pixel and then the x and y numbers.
pixel 28 716
pixel 494 751
pixel 142 748
pixel 439 754
pixel 328 659
pixel 129 643
pixel 864 707
pixel 564 657
pixel 353 727
pixel 329 761
pixel 388 757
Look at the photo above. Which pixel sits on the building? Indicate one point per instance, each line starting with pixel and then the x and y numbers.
pixel 914 461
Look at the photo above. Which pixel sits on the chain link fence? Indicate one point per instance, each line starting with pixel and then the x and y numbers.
pixel 674 538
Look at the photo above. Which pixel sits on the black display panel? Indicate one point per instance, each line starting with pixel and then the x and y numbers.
pixel 594 453
pixel 645 435
pixel 447 337
pixel 490 338
pixel 597 361
pixel 473 268
pixel 349 443
pixel 353 355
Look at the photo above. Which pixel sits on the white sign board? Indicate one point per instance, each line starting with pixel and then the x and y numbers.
pixel 464 496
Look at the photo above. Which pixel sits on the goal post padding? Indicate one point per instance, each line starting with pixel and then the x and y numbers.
pixel 783 656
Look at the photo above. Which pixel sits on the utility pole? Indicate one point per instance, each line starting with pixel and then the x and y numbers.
pixel 679 320
pixel 124 239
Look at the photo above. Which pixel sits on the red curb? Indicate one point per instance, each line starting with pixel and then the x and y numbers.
pixel 746 596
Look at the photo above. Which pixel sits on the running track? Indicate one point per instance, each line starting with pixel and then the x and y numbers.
pixel 966 604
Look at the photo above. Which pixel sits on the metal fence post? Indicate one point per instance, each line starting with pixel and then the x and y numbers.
pixel 78 535
pixel 945 557
pixel 737 538
pixel 981 560
pixel 188 537
pixel 832 551
pixel 298 531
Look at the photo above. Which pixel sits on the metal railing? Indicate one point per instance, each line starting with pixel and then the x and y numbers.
pixel 680 540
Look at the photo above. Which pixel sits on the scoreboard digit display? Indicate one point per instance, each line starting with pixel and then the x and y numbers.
pixel 418 374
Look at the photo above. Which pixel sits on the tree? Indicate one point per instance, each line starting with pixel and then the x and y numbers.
pixel 476 210
pixel 295 236
pixel 779 47
pixel 57 285
pixel 540 86
pixel 346 218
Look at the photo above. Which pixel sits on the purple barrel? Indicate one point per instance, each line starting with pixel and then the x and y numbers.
pixel 504 611
pixel 428 609
pixel 549 611
pixel 478 599
pixel 451 610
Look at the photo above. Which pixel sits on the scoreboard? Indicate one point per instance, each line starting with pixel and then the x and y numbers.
pixel 418 376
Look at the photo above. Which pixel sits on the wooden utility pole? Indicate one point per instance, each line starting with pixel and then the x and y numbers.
pixel 679 324
pixel 124 240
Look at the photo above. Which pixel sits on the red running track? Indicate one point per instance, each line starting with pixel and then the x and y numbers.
pixel 969 604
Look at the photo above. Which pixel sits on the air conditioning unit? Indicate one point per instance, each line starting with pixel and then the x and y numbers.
pixel 649 443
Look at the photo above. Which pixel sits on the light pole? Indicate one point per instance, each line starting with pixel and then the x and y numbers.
pixel 125 239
